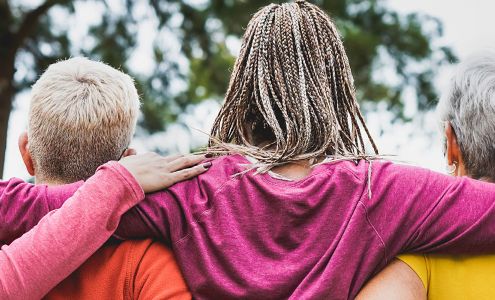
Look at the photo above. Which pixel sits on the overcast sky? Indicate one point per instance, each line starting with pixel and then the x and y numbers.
pixel 468 27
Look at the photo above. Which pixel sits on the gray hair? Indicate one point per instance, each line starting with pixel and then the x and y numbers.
pixel 469 106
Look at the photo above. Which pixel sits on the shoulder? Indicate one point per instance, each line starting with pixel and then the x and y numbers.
pixel 406 177
pixel 403 169
pixel 223 169
pixel 157 275
pixel 16 187
pixel 141 254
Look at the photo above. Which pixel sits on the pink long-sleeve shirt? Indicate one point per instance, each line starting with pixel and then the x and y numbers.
pixel 259 237
pixel 33 264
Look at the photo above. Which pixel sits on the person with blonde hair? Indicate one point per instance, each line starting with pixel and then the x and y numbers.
pixel 467 113
pixel 294 207
pixel 82 115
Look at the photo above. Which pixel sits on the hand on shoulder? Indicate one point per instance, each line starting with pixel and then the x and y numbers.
pixel 154 172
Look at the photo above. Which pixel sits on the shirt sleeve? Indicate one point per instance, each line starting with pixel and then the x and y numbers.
pixel 415 210
pixel 66 237
pixel 158 276
pixel 419 265
pixel 23 205
pixel 161 216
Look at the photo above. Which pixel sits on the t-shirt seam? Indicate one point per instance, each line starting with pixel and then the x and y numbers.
pixel 428 273
pixel 368 220
pixel 229 179
pixel 128 283
pixel 139 261
pixel 376 231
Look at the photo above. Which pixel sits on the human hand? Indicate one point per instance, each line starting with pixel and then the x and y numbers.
pixel 154 172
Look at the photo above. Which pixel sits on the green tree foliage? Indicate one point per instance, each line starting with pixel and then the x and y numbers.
pixel 376 38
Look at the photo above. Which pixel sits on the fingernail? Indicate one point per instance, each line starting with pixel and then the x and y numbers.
pixel 207 165
pixel 209 155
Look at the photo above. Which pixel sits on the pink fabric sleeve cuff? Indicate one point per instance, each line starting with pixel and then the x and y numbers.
pixel 126 176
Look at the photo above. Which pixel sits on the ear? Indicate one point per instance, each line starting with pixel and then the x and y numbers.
pixel 26 155
pixel 453 150
pixel 129 152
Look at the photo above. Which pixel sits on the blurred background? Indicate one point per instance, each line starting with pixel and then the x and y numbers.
pixel 181 54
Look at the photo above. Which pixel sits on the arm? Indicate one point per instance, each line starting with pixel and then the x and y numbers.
pixel 415 210
pixel 48 253
pixel 22 205
pixel 65 238
pixel 396 281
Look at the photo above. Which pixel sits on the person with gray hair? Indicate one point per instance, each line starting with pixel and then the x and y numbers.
pixel 467 114
pixel 469 109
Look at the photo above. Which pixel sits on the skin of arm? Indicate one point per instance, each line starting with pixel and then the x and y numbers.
pixel 396 281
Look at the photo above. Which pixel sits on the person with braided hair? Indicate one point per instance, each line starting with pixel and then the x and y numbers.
pixel 293 84
pixel 294 207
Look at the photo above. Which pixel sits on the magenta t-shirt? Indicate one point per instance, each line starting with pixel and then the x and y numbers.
pixel 322 237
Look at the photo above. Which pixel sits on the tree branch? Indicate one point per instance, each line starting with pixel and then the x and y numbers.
pixel 30 21
pixel 5 12
pixel 5 29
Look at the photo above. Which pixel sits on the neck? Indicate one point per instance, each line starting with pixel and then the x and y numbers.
pixel 463 172
pixel 295 170
pixel 47 181
pixel 487 179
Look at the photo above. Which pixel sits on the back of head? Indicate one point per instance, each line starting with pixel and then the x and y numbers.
pixel 291 95
pixel 83 114
pixel 469 106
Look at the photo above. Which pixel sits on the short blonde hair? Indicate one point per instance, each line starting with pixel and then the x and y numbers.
pixel 83 114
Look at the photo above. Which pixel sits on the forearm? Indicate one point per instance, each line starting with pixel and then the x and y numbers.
pixel 23 205
pixel 65 238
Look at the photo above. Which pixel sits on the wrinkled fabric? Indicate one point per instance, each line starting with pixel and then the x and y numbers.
pixel 36 262
pixel 322 237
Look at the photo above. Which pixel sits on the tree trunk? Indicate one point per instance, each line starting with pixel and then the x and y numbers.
pixel 6 99
pixel 10 43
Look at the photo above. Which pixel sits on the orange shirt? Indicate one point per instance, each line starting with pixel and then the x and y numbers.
pixel 130 270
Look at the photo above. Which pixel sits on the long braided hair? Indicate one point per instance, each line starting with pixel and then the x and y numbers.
pixel 291 94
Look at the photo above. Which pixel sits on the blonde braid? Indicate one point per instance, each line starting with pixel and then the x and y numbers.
pixel 291 95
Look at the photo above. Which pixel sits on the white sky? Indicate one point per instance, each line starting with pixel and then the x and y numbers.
pixel 468 27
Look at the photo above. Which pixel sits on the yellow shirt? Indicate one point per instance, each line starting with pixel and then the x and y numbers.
pixel 455 277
